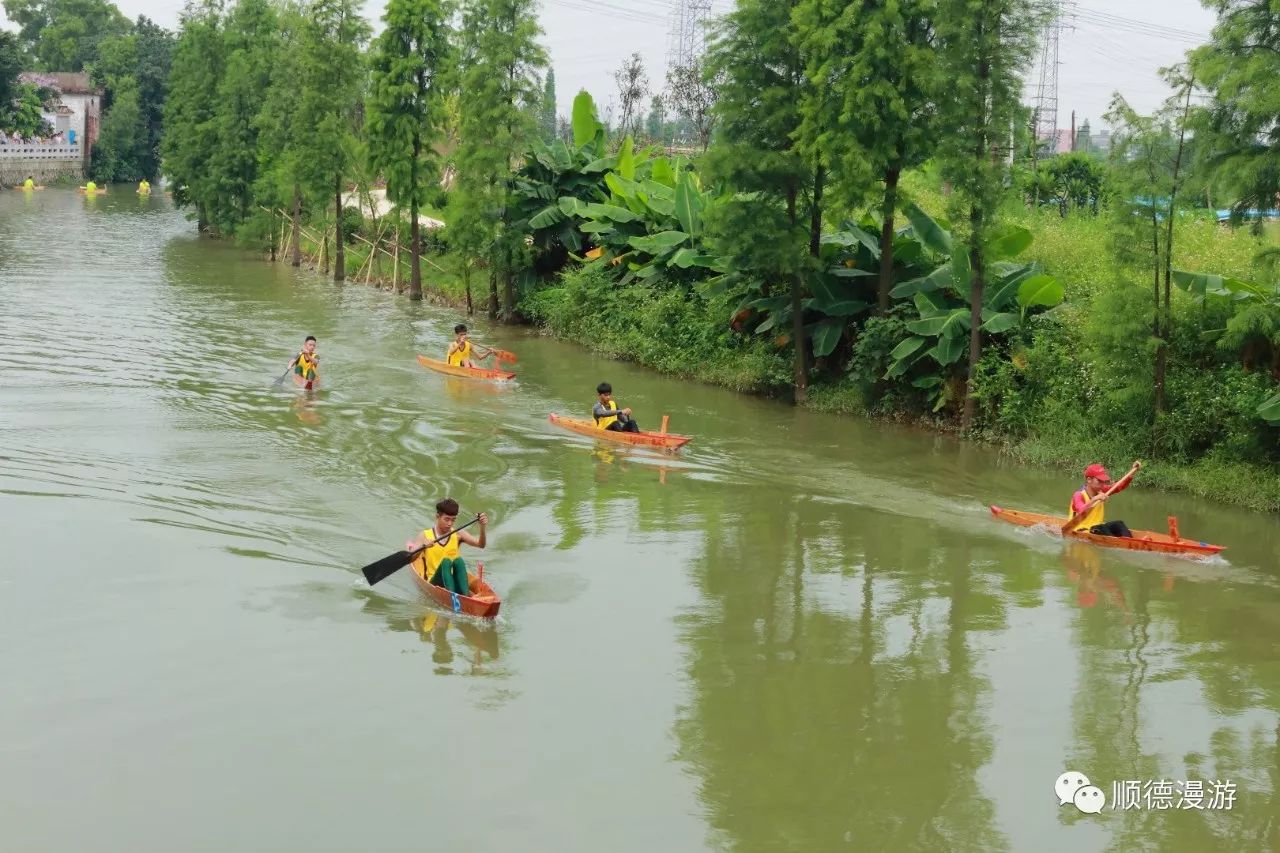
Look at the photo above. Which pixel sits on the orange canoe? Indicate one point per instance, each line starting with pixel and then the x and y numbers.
pixel 469 372
pixel 1143 540
pixel 664 440
pixel 483 602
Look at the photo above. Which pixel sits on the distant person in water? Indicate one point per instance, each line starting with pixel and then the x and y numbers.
pixel 306 364
pixel 608 415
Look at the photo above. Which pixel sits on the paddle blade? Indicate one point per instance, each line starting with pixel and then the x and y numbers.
pixel 505 355
pixel 387 566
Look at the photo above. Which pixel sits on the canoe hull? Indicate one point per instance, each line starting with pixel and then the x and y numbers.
pixel 483 373
pixel 661 440
pixel 1143 540
pixel 483 603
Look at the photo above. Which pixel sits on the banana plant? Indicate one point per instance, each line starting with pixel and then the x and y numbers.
pixel 558 170
pixel 941 297
pixel 651 221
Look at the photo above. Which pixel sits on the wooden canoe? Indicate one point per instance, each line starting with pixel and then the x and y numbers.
pixel 469 372
pixel 1143 540
pixel 483 602
pixel 663 440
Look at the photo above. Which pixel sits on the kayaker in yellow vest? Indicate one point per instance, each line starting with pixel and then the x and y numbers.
pixel 29 184
pixel 1091 498
pixel 460 351
pixel 307 363
pixel 608 415
pixel 91 188
pixel 442 564
pixel 144 187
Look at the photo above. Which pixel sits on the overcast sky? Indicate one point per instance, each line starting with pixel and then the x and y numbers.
pixel 1104 46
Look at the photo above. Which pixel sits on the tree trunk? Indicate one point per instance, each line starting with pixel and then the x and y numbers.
pixel 815 213
pixel 1162 357
pixel 976 227
pixel 1156 312
pixel 466 283
pixel 274 226
pixel 415 254
pixel 339 250
pixel 887 208
pixel 493 292
pixel 296 221
pixel 801 373
pixel 976 286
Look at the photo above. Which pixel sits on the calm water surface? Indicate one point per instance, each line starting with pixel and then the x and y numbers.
pixel 804 633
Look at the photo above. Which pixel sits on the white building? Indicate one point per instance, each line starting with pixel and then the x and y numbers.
pixel 80 111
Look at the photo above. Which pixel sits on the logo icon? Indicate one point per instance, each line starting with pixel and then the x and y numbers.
pixel 1090 799
pixel 1074 787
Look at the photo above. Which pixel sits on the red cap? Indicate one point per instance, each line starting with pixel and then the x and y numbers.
pixel 1096 470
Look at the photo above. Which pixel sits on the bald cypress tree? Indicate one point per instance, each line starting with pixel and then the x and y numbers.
pixel 405 117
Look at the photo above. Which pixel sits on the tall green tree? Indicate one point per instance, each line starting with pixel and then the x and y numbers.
pixel 1239 130
pixel 251 45
pixel 984 46
pixel 880 57
pixel 500 67
pixel 122 144
pixel 140 61
pixel 64 34
pixel 1149 153
pixel 190 136
pixel 330 43
pixel 764 228
pixel 547 108
pixel 411 59
pixel 280 134
pixel 11 59
pixel 655 123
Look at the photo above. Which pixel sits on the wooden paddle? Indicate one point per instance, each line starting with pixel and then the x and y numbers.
pixel 1118 484
pixel 500 354
pixel 280 381
pixel 392 563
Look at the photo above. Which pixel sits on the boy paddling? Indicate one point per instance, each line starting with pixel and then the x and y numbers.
pixel 1086 509
pixel 306 364
pixel 608 415
pixel 460 351
pixel 442 563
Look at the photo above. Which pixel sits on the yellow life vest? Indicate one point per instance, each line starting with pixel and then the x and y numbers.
pixel 28 184
pixel 1095 515
pixel 91 187
pixel 456 358
pixel 306 367
pixel 603 423
pixel 431 558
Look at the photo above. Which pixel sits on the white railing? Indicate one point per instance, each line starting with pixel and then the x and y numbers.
pixel 38 151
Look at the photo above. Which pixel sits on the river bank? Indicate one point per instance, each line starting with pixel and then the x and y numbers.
pixel 684 335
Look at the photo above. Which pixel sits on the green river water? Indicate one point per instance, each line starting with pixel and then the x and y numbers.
pixel 801 633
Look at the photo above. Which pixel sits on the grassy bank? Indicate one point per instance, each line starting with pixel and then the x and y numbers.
pixel 1075 389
